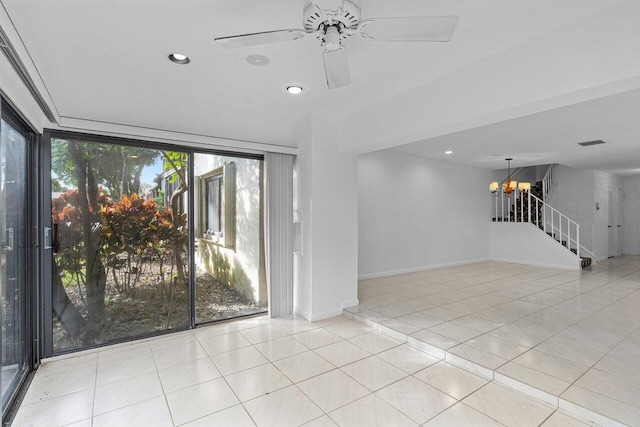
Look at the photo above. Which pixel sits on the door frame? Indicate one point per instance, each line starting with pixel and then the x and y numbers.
pixel 31 306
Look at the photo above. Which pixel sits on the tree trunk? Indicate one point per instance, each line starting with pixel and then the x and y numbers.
pixel 178 249
pixel 95 275
pixel 175 219
pixel 69 315
pixel 135 185
pixel 125 175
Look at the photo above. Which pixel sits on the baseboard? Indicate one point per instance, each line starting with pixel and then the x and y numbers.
pixel 350 303
pixel 538 264
pixel 326 314
pixel 423 268
pixel 301 312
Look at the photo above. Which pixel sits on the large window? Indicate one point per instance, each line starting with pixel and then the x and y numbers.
pixel 119 242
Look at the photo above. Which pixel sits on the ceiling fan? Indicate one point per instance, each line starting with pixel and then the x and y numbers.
pixel 332 27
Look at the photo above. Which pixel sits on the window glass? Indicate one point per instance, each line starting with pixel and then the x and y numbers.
pixel 215 205
pixel 230 278
pixel 13 268
pixel 120 242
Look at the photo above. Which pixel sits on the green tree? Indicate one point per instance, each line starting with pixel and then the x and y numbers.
pixel 177 163
pixel 77 218
pixel 117 168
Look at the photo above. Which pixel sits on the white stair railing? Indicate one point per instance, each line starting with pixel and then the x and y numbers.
pixel 522 206
pixel 547 181
pixel 558 225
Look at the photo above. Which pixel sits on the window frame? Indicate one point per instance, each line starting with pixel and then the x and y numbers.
pixel 227 236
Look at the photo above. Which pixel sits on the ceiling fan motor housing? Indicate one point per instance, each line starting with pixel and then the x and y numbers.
pixel 319 20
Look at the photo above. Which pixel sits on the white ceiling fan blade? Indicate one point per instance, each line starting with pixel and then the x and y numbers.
pixel 336 66
pixel 411 29
pixel 255 39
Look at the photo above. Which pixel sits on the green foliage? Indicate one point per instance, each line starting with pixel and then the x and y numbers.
pixel 115 167
pixel 68 217
pixel 134 233
pixel 175 161
pixel 159 198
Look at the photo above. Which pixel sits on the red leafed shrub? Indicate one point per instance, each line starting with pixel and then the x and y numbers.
pixel 67 216
pixel 134 234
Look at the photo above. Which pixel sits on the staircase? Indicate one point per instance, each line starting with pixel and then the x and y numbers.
pixel 528 206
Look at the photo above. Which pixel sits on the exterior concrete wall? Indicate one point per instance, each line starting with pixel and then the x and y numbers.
pixel 238 266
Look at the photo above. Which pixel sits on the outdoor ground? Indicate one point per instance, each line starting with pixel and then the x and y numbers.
pixel 149 307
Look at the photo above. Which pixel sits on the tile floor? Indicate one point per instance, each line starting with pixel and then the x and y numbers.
pixel 468 345
pixel 569 338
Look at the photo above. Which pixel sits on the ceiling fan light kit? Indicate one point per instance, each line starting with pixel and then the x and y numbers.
pixel 333 27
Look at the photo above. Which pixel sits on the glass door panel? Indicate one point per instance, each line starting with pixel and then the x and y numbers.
pixel 13 279
pixel 119 240
pixel 230 279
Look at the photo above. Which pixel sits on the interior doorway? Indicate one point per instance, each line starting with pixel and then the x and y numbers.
pixel 614 222
pixel 611 226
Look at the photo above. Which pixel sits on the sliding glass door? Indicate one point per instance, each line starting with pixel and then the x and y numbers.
pixel 118 242
pixel 14 282
pixel 143 238
pixel 230 279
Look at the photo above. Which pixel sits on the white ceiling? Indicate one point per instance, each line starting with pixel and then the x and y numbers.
pixel 550 137
pixel 105 62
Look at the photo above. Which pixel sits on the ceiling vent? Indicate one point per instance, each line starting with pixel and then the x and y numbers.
pixel 589 143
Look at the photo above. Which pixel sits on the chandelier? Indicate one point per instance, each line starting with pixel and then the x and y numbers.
pixel 509 185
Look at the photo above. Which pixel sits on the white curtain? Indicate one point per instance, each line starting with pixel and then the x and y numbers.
pixel 279 232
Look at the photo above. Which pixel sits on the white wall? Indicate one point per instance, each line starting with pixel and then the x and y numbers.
pixel 573 195
pixel 302 257
pixel 631 215
pixel 523 243
pixel 415 213
pixel 328 212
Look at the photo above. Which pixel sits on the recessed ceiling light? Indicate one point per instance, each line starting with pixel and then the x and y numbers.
pixel 179 58
pixel 448 152
pixel 294 90
pixel 258 60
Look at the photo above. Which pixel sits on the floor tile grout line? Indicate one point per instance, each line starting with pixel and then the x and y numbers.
pixel 493 374
pixel 235 394
pixel 593 367
pixel 164 393
pixel 604 284
pixel 613 302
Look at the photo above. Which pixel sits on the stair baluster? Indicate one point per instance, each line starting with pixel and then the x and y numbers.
pixel 517 202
